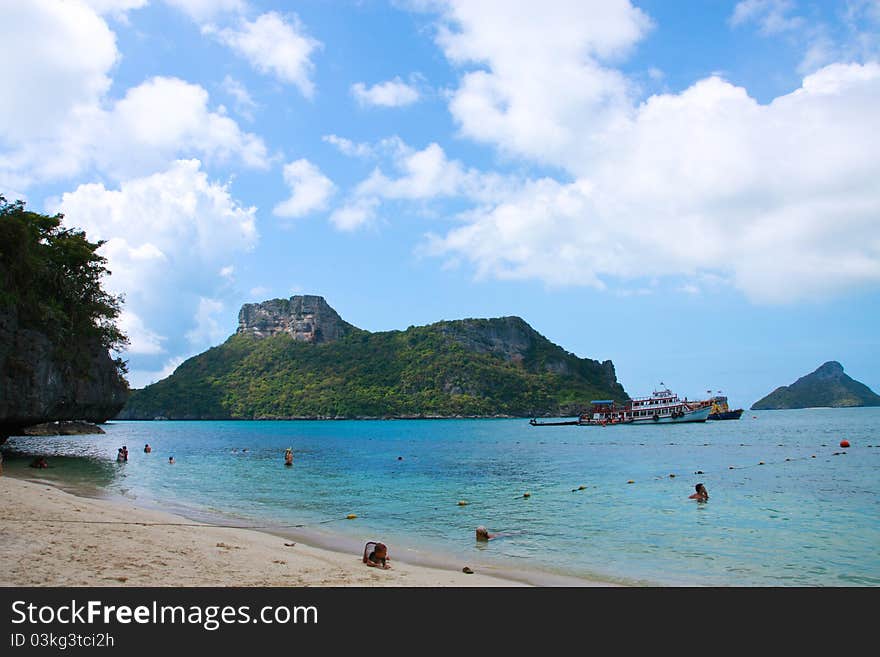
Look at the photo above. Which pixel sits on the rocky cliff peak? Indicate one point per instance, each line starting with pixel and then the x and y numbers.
pixel 830 370
pixel 306 318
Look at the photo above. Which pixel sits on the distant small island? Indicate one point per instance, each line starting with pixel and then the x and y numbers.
pixel 828 386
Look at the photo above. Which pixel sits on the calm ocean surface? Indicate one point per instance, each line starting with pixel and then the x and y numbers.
pixel 793 521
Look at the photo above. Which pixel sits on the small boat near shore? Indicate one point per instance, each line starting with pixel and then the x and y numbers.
pixel 534 422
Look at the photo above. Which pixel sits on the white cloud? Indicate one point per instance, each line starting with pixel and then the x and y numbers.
pixel 168 237
pixel 422 175
pixel 140 378
pixel 244 103
pixel 427 174
pixel 772 16
pixel 49 83
pixel 348 147
pixel 203 10
pixel 273 46
pixel 207 331
pixel 355 214
pixel 779 199
pixel 392 93
pixel 310 190
pixel 141 339
pixel 537 84
pixel 115 8
pixel 60 123
pixel 164 118
pixel 853 37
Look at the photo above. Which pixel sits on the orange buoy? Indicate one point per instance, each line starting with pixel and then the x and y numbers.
pixel 844 443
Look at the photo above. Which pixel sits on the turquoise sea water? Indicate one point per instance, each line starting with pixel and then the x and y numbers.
pixel 793 521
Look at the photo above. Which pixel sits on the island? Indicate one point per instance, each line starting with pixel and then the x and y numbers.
pixel 828 386
pixel 297 358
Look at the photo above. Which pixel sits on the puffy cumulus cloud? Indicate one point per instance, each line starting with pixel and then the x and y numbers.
pixel 60 122
pixel 392 93
pixel 356 213
pixel 778 199
pixel 69 52
pixel 273 46
pixel 153 124
pixel 168 238
pixel 164 118
pixel 537 83
pixel 309 190
pixel 418 175
pixel 427 174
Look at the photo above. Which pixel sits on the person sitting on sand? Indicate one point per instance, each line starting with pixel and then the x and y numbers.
pixel 40 462
pixel 701 495
pixel 376 555
pixel 288 457
pixel 484 535
pixel 147 448
pixel 171 459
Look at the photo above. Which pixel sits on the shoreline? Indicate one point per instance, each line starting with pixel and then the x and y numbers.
pixel 59 538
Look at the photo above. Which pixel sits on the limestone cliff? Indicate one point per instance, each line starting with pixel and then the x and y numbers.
pixel 44 382
pixel 305 318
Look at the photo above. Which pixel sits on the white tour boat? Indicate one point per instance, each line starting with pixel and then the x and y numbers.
pixel 662 407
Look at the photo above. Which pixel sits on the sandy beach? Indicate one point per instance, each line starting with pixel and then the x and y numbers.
pixel 49 537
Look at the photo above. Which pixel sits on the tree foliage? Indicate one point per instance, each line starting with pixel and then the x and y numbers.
pixel 51 276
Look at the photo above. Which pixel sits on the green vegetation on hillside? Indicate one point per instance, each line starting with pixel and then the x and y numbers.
pixel 436 370
pixel 828 386
pixel 50 278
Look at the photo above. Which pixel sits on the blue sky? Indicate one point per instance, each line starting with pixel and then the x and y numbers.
pixel 686 188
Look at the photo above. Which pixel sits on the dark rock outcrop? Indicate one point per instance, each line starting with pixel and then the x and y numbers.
pixel 63 428
pixel 45 382
pixel 305 318
pixel 828 386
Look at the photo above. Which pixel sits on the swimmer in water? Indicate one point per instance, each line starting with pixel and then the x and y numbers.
pixel 483 534
pixel 288 457
pixel 701 494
